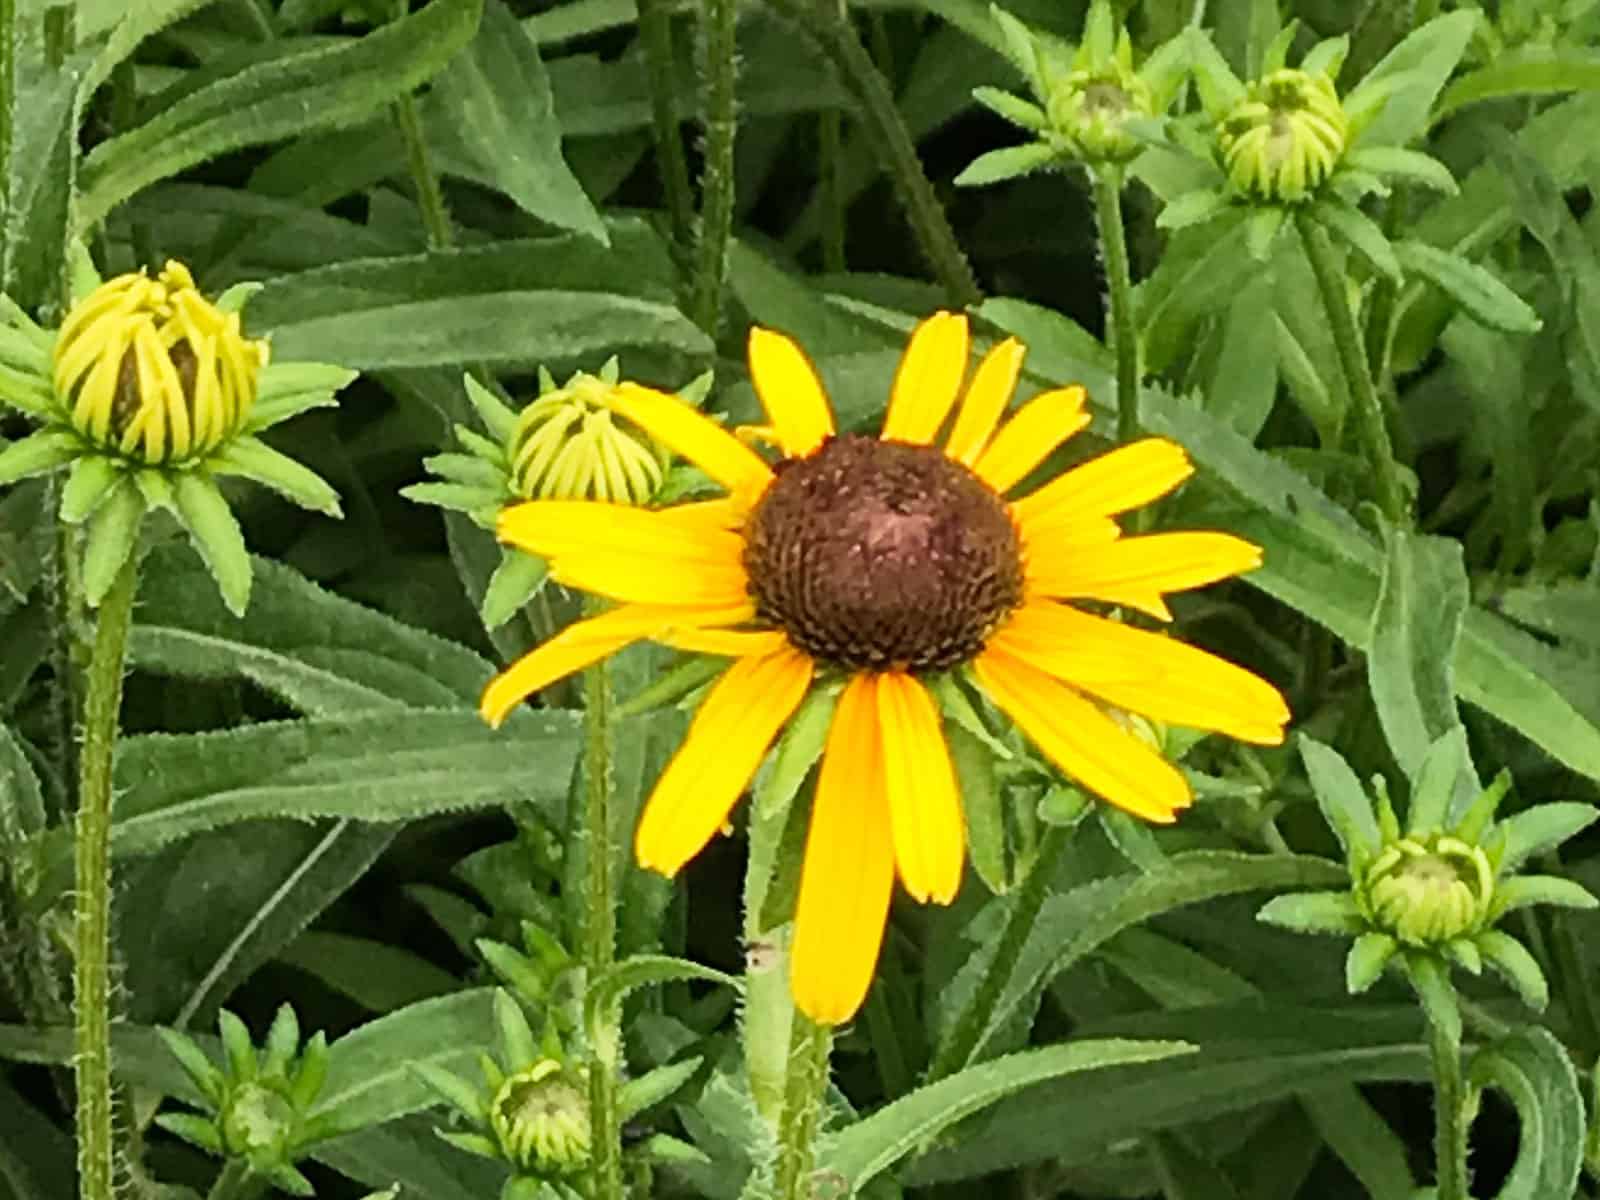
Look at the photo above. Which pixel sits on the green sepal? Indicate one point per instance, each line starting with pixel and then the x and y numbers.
pixel 982 804
pixel 286 1178
pixel 1358 231
pixel 493 1076
pixel 89 480
pixel 1009 162
pixel 452 1089
pixel 201 1071
pixel 38 454
pixel 523 1187
pixel 667 1150
pixel 82 275
pixel 1442 764
pixel 1342 799
pixel 1012 108
pixel 1193 208
pixel 498 418
pixel 518 1047
pixel 216 536
pixel 478 503
pixel 284 390
pixel 798 751
pixel 1463 952
pixel 1314 912
pixel 1369 955
pixel 1262 229
pixel 956 706
pixel 242 1066
pixel 1511 960
pixel 472 1143
pixel 674 685
pixel 1481 295
pixel 1327 57
pixel 312 1072
pixel 156 489
pixel 1276 55
pixel 517 971
pixel 482 447
pixel 1535 830
pixel 697 390
pixel 27 392
pixel 1396 162
pixel 517 580
pixel 1131 838
pixel 283 1039
pixel 236 297
pixel 1437 994
pixel 1527 890
pixel 1020 48
pixel 113 534
pixel 196 1130
pixel 467 469
pixel 1099 33
pixel 1474 823
pixel 253 459
pixel 653 1087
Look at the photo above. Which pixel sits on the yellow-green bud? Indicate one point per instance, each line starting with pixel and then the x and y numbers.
pixel 570 445
pixel 1426 891
pixel 258 1122
pixel 1283 140
pixel 1089 108
pixel 151 370
pixel 540 1117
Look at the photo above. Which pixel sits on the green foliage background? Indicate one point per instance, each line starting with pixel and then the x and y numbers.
pixel 309 809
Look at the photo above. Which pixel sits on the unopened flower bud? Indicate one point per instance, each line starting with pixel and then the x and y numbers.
pixel 1089 109
pixel 540 1117
pixel 1426 891
pixel 1285 137
pixel 569 445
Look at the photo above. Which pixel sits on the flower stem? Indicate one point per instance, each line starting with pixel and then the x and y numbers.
pixel 8 90
pixel 236 1182
pixel 91 967
pixel 430 197
pixel 1119 283
pixel 1370 424
pixel 718 69
pixel 655 30
pixel 831 25
pixel 1449 1112
pixel 600 923
pixel 966 1031
pixel 802 1108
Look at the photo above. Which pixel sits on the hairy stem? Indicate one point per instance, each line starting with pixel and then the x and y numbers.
pixel 600 922
pixel 966 1031
pixel 1370 423
pixel 655 31
pixel 1449 1115
pixel 430 197
pixel 91 967
pixel 1119 284
pixel 718 70
pixel 8 95
pixel 802 1109
pixel 237 1182
pixel 832 28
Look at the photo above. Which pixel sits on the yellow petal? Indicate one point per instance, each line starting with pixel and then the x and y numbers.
pixel 685 431
pixel 726 742
pixel 553 528
pixel 1162 678
pixel 1027 439
pixel 790 392
pixel 928 380
pixel 924 802
pixel 986 399
pixel 653 579
pixel 848 872
pixel 588 642
pixel 1136 571
pixel 724 513
pixel 1080 739
pixel 731 643
pixel 1126 478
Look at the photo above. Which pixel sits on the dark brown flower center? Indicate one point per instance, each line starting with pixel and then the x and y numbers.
pixel 873 555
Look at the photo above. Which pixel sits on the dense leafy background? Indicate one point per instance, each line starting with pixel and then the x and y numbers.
pixel 310 810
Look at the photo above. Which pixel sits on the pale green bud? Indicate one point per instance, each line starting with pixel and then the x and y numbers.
pixel 540 1118
pixel 1427 891
pixel 570 445
pixel 1282 141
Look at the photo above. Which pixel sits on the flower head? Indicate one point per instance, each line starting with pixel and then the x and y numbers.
pixel 1437 888
pixel 1284 137
pixel 873 566
pixel 147 394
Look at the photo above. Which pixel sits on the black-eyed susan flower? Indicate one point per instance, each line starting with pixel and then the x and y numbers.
pixel 882 562
pixel 148 393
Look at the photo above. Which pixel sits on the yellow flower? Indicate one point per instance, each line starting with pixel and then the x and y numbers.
pixel 886 559
pixel 151 370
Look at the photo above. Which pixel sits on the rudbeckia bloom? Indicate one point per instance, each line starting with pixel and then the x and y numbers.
pixel 885 560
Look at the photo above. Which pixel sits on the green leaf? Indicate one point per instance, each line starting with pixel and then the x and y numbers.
pixel 196 1064
pixel 1527 890
pixel 1369 955
pixel 216 535
pixel 113 533
pixel 38 453
pixel 605 994
pixel 454 1090
pixel 983 808
pixel 1531 70
pixel 1415 70
pixel 1345 805
pixel 410 1149
pixel 138 22
pixel 514 1040
pixel 40 167
pixel 515 582
pixel 494 100
pixel 1535 1072
pixel 1444 774
pixel 1483 297
pixel 1431 982
pixel 1193 208
pixel 1220 88
pixel 1416 627
pixel 88 482
pixel 1013 108
pixel 653 1087
pixel 319 87
pixel 379 977
pixel 1009 162
pixel 799 748
pixel 1362 1139
pixel 873 1145
pixel 1408 166
pixel 287 389
pixel 318 652
pixel 196 1130
pixel 242 1066
pixel 1516 966
pixel 1314 912
pixel 1357 230
pixel 253 459
pixel 1540 828
pixel 282 1042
